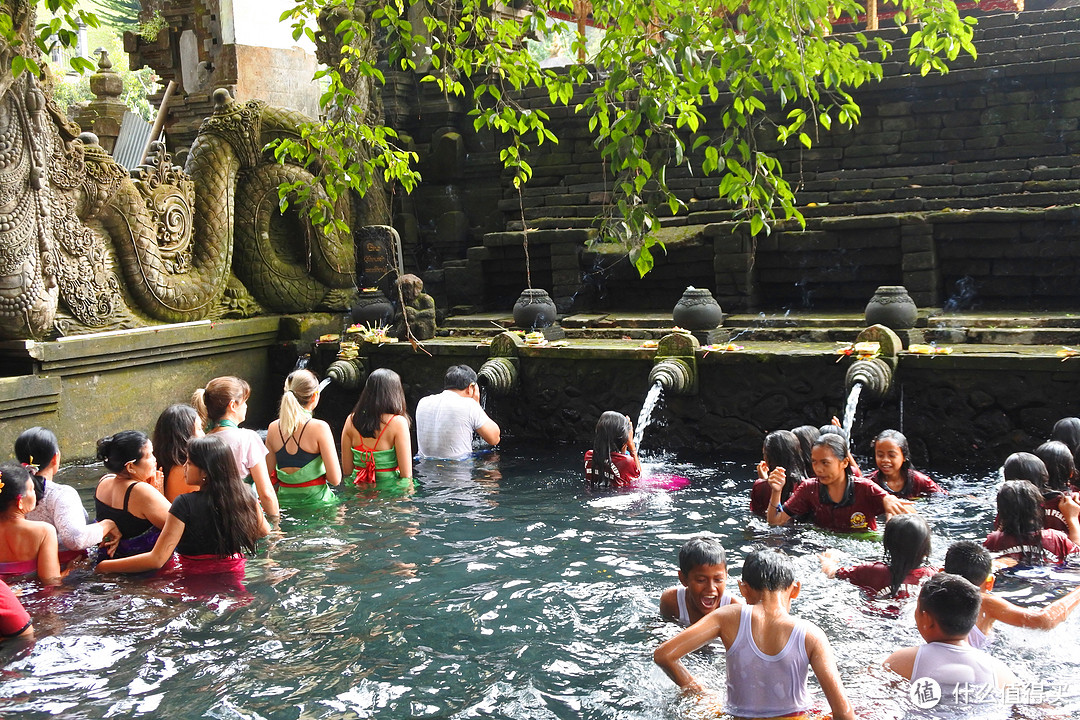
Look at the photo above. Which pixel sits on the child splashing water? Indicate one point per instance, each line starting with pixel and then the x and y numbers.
pixel 835 499
pixel 907 547
pixel 613 460
pixel 781 452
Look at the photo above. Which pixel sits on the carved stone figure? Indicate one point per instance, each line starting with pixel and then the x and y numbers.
pixel 84 245
pixel 418 310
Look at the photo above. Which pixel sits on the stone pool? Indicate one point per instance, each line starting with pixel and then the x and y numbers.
pixel 499 589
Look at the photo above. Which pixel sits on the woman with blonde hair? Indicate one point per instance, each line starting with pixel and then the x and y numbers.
pixel 302 455
pixel 222 405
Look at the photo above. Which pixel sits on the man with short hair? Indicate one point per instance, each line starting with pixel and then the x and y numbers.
pixel 445 422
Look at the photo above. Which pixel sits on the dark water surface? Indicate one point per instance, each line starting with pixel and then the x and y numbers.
pixel 497 590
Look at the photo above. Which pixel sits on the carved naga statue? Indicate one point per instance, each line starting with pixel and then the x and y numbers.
pixel 85 245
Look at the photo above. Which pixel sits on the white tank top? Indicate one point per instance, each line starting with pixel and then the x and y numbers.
pixel 978 639
pixel 760 685
pixel 684 612
pixel 960 670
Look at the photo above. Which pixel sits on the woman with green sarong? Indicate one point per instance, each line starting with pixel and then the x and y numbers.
pixel 376 449
pixel 300 449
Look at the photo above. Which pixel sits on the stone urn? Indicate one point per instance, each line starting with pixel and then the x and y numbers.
pixel 372 308
pixel 697 310
pixel 534 309
pixel 892 307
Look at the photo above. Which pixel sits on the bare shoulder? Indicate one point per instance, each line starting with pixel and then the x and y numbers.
pixel 902 662
pixel 273 436
pixel 669 602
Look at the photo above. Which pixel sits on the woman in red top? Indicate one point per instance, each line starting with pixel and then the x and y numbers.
pixel 614 441
pixel 780 450
pixel 907 547
pixel 1019 532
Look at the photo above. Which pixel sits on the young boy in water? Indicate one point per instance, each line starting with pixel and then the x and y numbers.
pixel 973 562
pixel 703 574
pixel 948 607
pixel 768 650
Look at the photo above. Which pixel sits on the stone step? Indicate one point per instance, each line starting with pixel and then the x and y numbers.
pixel 1005 336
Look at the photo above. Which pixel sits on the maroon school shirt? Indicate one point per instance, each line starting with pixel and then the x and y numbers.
pixel 761 494
pixel 625 470
pixel 863 501
pixel 918 485
pixel 1055 542
pixel 876 579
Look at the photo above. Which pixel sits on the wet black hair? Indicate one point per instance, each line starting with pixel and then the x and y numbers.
pixel 1060 468
pixel 969 560
pixel 1025 466
pixel 905 467
pixel 383 394
pixel 14 477
pixel 175 426
pixel 953 602
pixel 767 569
pixel 1020 514
pixel 612 432
pixel 36 448
pixel 459 377
pixel 116 451
pixel 1067 430
pixel 807 435
pixel 234 522
pixel 907 546
pixel 782 449
pixel 838 446
pixel 701 550
pixel 831 429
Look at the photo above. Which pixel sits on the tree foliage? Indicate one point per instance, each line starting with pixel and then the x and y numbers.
pixel 661 68
pixel 123 14
pixel 26 32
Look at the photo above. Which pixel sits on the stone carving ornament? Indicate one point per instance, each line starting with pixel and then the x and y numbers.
pixel 84 245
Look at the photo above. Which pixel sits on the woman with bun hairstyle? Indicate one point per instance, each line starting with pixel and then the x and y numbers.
pixel 222 404
pixel 59 505
pixel 175 426
pixel 26 546
pixel 209 529
pixel 302 455
pixel 128 495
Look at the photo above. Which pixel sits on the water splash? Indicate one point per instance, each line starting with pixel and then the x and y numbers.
pixel 645 416
pixel 325 381
pixel 849 408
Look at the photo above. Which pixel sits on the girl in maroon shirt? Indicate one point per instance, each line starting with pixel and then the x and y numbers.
pixel 781 449
pixel 894 472
pixel 1019 532
pixel 907 547
pixel 614 443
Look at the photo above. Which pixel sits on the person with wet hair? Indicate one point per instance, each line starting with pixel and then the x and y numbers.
pixel 903 569
pixel 769 651
pixel 781 453
pixel 947 610
pixel 223 406
pixel 614 442
pixel 1056 486
pixel 808 435
pixel 1067 430
pixel 27 546
pixel 209 529
pixel 894 473
pixel 445 422
pixel 175 426
pixel 973 562
pixel 1018 531
pixel 835 499
pixel 59 505
pixel 703 582
pixel 129 493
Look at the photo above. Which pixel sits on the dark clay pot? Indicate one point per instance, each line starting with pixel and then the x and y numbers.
pixel 892 307
pixel 534 309
pixel 697 309
pixel 372 308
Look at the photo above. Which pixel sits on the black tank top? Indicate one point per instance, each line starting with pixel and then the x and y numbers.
pixel 128 525
pixel 298 459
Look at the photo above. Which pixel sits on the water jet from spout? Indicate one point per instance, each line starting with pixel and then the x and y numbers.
pixel 645 416
pixel 849 408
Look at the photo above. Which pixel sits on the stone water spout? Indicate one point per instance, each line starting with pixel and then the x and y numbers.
pixel 875 374
pixel 349 374
pixel 499 374
pixel 675 364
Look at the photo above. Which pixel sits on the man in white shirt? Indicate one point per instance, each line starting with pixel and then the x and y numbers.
pixel 445 422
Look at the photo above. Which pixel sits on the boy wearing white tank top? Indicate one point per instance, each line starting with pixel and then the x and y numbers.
pixel 947 610
pixel 768 653
pixel 703 574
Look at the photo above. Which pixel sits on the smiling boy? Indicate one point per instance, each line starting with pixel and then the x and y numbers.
pixel 703 574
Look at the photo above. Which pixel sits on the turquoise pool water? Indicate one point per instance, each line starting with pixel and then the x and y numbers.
pixel 498 590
